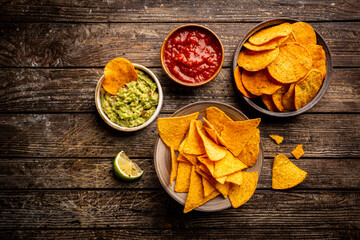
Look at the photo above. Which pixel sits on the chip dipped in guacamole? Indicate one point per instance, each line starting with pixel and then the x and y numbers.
pixel 134 103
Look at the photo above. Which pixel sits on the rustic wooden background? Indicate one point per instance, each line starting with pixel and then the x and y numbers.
pixel 56 153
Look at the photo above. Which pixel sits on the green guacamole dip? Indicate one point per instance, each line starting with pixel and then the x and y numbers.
pixel 134 104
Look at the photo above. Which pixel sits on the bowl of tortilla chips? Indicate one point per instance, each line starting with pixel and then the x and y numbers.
pixel 282 67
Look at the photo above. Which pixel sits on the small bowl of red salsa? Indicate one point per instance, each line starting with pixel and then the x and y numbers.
pixel 192 55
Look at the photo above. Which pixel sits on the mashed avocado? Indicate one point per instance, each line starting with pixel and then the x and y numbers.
pixel 134 103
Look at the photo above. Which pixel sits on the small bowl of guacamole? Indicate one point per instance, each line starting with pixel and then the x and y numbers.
pixel 135 105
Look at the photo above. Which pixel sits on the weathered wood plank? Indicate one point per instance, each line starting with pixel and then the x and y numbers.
pixel 87 135
pixel 155 209
pixel 93 45
pixel 88 173
pixel 179 233
pixel 72 90
pixel 177 11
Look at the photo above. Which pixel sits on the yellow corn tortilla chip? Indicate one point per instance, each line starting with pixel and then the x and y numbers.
pixel 236 178
pixel 286 174
pixel 194 144
pixel 260 82
pixel 278 139
pixel 183 177
pixel 277 97
pixel 117 73
pixel 182 158
pixel 172 130
pixel 213 133
pixel 276 42
pixel 237 134
pixel 174 166
pixel 207 162
pixel 307 88
pixel 240 194
pixel 318 58
pixel 196 196
pixel 228 165
pixel 304 33
pixel 213 151
pixel 254 61
pixel 292 63
pixel 217 118
pixel 298 151
pixel 290 39
pixel 239 84
pixel 267 34
pixel 221 179
pixel 268 102
pixel 208 187
pixel 288 99
pixel 250 152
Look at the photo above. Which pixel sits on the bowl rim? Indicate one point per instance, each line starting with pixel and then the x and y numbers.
pixel 178 80
pixel 326 80
pixel 128 129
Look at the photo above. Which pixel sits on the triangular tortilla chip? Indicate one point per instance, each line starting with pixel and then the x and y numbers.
pixel 240 194
pixel 209 128
pixel 221 179
pixel 237 134
pixel 222 188
pixel 278 139
pixel 196 196
pixel 182 158
pixel 286 174
pixel 298 151
pixel 236 178
pixel 213 151
pixel 207 162
pixel 172 130
pixel 251 150
pixel 228 165
pixel 217 118
pixel 208 187
pixel 183 177
pixel 194 144
pixel 174 166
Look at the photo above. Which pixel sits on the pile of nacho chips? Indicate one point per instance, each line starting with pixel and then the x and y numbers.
pixel 283 64
pixel 212 156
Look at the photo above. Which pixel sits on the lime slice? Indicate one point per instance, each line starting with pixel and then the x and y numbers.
pixel 125 169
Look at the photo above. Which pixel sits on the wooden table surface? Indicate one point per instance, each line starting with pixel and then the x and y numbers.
pixel 56 175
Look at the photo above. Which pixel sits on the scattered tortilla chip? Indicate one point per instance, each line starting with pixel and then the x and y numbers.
pixel 183 177
pixel 217 118
pixel 298 151
pixel 172 130
pixel 267 34
pixel 213 151
pixel 196 196
pixel 260 82
pixel 117 73
pixel 255 61
pixel 307 88
pixel 240 194
pixel 318 58
pixel 213 133
pixel 304 33
pixel 207 162
pixel 292 63
pixel 194 145
pixel 285 174
pixel 276 42
pixel 237 134
pixel 228 165
pixel 174 166
pixel 278 139
pixel 268 102
pixel 236 178
pixel 208 187
pixel 250 152
pixel 239 84
pixel 288 98
pixel 278 96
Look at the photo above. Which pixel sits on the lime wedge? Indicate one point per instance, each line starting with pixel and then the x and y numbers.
pixel 125 169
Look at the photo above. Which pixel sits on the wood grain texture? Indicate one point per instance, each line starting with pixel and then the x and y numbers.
pixel 176 11
pixel 87 135
pixel 89 173
pixel 155 209
pixel 72 90
pixel 93 45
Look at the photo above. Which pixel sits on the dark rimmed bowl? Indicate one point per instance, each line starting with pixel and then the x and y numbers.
pixel 178 80
pixel 256 103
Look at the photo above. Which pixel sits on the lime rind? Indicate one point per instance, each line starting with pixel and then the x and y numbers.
pixel 125 169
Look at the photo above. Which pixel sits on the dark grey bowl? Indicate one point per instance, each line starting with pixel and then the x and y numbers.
pixel 256 103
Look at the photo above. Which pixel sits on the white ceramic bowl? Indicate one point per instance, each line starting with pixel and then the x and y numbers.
pixel 129 129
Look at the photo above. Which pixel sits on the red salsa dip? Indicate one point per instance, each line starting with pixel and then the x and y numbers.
pixel 192 54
